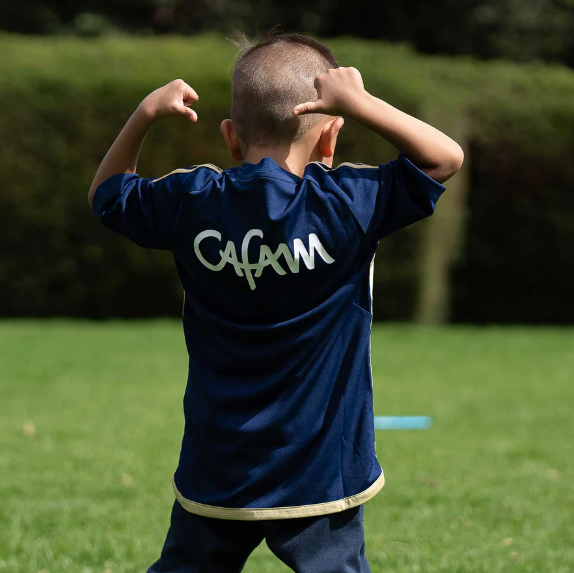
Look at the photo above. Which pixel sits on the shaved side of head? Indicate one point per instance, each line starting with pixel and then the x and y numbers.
pixel 269 79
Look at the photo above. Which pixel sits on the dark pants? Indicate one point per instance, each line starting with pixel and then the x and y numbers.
pixel 333 543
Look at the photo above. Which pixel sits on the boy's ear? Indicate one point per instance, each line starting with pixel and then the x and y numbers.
pixel 230 135
pixel 328 137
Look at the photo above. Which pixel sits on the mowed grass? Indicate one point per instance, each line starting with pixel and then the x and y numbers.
pixel 91 422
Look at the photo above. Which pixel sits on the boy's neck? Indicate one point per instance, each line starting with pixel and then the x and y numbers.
pixel 293 158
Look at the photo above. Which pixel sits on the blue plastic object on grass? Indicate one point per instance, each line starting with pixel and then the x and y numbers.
pixel 402 422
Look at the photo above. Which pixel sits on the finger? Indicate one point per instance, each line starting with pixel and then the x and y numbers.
pixel 189 94
pixel 308 107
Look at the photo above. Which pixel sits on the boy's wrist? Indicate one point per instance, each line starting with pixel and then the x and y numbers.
pixel 360 105
pixel 145 112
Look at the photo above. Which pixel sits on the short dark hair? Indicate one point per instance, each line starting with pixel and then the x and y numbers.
pixel 269 79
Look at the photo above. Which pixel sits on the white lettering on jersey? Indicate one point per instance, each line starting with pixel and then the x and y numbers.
pixel 267 258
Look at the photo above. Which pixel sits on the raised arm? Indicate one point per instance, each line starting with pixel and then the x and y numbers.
pixel 170 100
pixel 341 92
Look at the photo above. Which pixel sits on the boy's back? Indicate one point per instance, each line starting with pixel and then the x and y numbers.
pixel 275 258
pixel 277 320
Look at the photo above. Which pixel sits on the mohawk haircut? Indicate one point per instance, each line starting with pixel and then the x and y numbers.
pixel 269 79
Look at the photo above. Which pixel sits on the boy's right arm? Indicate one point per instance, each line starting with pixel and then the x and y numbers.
pixel 143 209
pixel 171 100
pixel 341 92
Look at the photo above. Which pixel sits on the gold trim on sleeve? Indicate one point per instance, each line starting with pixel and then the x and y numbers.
pixel 208 165
pixel 344 164
pixel 357 165
pixel 259 513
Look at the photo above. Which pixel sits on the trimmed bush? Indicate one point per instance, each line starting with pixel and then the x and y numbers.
pixel 64 100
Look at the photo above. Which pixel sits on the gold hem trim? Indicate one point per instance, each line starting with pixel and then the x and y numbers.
pixel 259 513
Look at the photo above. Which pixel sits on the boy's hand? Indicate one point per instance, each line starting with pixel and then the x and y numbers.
pixel 339 90
pixel 171 100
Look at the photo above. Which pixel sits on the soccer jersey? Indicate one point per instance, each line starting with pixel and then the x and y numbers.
pixel 277 275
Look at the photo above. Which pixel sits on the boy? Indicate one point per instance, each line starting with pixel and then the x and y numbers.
pixel 275 258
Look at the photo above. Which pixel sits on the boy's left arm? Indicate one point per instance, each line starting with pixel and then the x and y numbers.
pixel 341 92
pixel 171 100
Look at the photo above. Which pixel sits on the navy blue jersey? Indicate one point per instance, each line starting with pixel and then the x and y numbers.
pixel 276 271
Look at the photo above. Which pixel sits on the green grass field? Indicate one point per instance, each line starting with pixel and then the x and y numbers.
pixel 91 422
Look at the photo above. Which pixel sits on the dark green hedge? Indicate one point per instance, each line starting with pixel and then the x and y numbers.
pixel 63 101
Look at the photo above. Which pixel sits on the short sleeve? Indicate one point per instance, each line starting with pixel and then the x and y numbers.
pixel 143 210
pixel 388 197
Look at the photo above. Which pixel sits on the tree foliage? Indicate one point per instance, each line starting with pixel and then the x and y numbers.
pixel 521 30
pixel 64 100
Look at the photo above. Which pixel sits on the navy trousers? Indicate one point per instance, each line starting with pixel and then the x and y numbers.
pixel 333 543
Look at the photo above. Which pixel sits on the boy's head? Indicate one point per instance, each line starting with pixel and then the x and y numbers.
pixel 269 79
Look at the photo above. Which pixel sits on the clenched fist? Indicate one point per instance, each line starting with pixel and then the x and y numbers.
pixel 338 90
pixel 171 100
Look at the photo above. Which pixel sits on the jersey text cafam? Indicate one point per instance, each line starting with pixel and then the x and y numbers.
pixel 266 256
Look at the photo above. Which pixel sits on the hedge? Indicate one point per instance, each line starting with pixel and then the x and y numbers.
pixel 63 101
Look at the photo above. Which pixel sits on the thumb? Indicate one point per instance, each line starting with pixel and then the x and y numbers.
pixel 189 114
pixel 308 107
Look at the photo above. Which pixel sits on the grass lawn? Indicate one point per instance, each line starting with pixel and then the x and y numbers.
pixel 91 422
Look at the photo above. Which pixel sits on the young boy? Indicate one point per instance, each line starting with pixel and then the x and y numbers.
pixel 275 257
